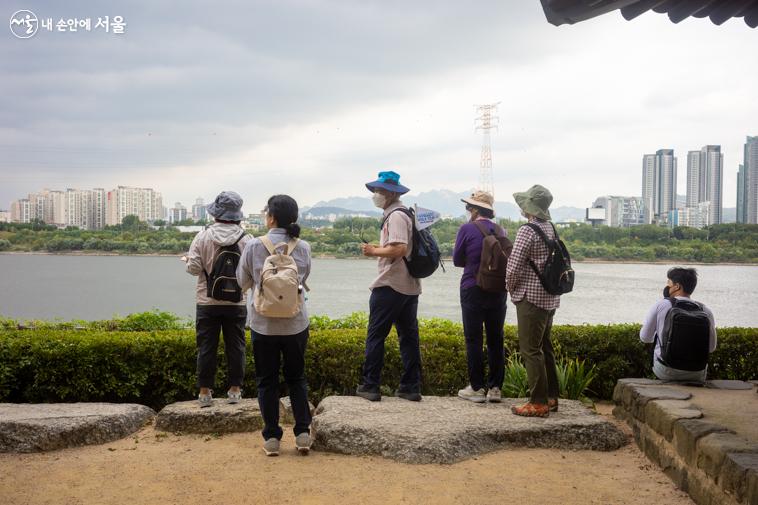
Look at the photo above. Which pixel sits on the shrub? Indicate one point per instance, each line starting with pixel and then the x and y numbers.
pixel 150 358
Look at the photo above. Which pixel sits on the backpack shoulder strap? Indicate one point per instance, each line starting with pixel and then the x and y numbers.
pixel 291 245
pixel 539 232
pixel 404 210
pixel 482 228
pixel 267 243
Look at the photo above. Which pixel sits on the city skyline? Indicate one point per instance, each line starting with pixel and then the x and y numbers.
pixel 318 107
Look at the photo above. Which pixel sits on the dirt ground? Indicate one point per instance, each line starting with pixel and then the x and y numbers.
pixel 156 468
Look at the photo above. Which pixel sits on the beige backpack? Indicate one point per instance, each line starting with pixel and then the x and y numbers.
pixel 277 293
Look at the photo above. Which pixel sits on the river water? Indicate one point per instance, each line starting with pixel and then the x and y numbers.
pixel 100 287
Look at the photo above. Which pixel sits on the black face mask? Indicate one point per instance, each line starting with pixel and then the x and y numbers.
pixel 666 292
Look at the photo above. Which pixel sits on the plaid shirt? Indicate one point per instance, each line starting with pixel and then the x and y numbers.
pixel 521 280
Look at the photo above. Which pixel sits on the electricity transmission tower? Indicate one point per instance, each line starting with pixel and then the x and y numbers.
pixel 486 121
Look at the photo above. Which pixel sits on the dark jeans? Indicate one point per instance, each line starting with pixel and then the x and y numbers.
pixel 534 325
pixel 482 310
pixel 388 307
pixel 210 320
pixel 268 351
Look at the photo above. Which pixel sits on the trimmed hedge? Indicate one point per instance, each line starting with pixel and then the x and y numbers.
pixel 158 367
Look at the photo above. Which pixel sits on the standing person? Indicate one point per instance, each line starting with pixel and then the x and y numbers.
pixel 394 294
pixel 535 307
pixel 481 307
pixel 220 300
pixel 276 266
pixel 684 327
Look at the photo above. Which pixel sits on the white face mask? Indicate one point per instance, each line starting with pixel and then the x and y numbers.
pixel 379 200
pixel 468 215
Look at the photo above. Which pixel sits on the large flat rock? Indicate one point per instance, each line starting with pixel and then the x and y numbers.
pixel 220 417
pixel 447 429
pixel 48 426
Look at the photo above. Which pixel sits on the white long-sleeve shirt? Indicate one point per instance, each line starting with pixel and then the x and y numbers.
pixel 656 317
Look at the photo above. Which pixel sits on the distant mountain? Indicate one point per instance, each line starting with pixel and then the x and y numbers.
pixel 446 202
pixel 327 212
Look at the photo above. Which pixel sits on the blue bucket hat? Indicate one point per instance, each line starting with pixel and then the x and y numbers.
pixel 389 181
pixel 227 207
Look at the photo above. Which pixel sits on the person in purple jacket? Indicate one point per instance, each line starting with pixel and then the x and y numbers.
pixel 481 309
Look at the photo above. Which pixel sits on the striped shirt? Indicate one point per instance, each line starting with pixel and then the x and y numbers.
pixel 521 280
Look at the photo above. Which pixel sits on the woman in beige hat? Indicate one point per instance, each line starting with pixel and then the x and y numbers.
pixel 482 303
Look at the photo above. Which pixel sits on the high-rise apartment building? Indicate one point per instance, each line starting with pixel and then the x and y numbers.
pixel 658 185
pixel 751 180
pixel 145 203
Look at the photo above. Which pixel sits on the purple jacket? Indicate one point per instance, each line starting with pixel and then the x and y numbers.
pixel 468 250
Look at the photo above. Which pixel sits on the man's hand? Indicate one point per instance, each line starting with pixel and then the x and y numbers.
pixel 368 249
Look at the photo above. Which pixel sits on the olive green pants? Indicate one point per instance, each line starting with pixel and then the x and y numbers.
pixel 534 325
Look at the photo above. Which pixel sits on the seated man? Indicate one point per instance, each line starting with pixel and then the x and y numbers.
pixel 683 330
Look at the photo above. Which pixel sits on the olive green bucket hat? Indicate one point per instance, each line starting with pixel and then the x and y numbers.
pixel 535 201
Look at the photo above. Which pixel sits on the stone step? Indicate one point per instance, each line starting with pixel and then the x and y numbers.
pixel 448 429
pixel 36 427
pixel 220 417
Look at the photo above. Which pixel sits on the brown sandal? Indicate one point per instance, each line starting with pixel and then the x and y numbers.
pixel 531 410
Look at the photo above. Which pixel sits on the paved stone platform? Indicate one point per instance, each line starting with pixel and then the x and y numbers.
pixel 448 429
pixel 705 440
pixel 39 427
pixel 221 417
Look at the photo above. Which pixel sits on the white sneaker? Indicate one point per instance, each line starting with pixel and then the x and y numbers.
pixel 205 400
pixel 476 396
pixel 494 395
pixel 234 396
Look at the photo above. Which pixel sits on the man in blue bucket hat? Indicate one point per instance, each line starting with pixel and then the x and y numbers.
pixel 394 294
pixel 220 301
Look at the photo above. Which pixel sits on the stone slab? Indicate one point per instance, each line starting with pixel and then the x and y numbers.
pixel 728 384
pixel 686 434
pixel 220 417
pixel 712 450
pixel 446 430
pixel 661 415
pixel 635 397
pixel 49 426
pixel 734 475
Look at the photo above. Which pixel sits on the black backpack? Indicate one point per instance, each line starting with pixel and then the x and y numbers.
pixel 493 262
pixel 222 281
pixel 556 275
pixel 686 336
pixel 425 256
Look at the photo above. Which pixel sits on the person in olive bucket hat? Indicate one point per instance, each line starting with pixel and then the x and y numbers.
pixel 219 309
pixel 535 307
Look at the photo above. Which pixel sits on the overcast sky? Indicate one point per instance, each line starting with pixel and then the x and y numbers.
pixel 313 98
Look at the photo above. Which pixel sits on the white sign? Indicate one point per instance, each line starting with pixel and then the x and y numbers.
pixel 425 217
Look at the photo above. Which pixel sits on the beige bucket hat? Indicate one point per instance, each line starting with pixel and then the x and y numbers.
pixel 535 201
pixel 481 199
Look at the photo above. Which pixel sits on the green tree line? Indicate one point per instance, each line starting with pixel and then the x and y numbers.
pixel 735 243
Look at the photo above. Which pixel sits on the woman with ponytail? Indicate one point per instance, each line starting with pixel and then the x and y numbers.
pixel 279 339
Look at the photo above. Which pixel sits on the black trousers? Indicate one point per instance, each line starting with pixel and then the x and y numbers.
pixel 388 307
pixel 482 310
pixel 269 351
pixel 210 321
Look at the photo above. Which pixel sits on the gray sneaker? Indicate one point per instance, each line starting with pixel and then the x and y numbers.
pixel 472 395
pixel 205 400
pixel 303 443
pixel 234 396
pixel 271 447
pixel 494 395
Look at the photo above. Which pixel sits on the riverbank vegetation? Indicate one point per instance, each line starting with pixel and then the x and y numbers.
pixel 150 358
pixel 724 243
